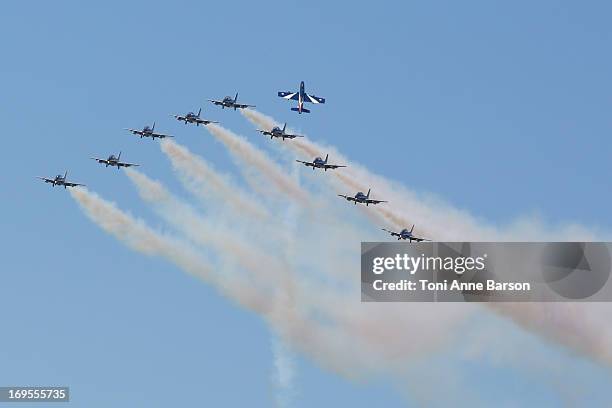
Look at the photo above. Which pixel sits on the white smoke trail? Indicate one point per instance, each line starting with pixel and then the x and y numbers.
pixel 202 180
pixel 575 325
pixel 284 373
pixel 229 244
pixel 248 155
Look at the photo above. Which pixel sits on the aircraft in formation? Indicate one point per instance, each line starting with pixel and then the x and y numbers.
pixel 278 132
pixel 406 234
pixel 191 117
pixel 362 198
pixel 301 96
pixel 319 163
pixel 229 102
pixel 60 180
pixel 114 161
pixel 148 132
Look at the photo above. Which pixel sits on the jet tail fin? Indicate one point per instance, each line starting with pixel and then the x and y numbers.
pixel 153 128
pixel 326 157
pixel 65 174
pixel 236 98
pixel 412 229
pixel 304 110
pixel 119 157
pixel 200 111
pixel 284 127
pixel 368 196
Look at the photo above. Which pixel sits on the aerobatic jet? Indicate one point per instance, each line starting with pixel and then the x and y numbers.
pixel 319 163
pixel 405 234
pixel 362 198
pixel 301 96
pixel 229 102
pixel 148 132
pixel 114 161
pixel 278 132
pixel 60 180
pixel 193 118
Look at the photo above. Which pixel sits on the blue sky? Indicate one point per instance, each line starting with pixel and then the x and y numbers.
pixel 500 108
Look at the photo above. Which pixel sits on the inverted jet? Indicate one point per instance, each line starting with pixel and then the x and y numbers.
pixel 301 96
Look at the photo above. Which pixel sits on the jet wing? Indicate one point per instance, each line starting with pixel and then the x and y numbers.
pixel 306 163
pixel 347 197
pixel 265 132
pixel 418 239
pixel 313 99
pixel 103 161
pixel 290 95
pixel 243 106
pixel 395 234
pixel 289 136
pixel 122 164
pixel 332 166
pixel 160 135
pixel 205 121
pixel 215 102
pixel 69 184
pixel 135 131
pixel 179 117
pixel 370 201
pixel 46 180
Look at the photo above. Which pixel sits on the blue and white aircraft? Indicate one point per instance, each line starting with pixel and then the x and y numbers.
pixel 229 102
pixel 148 132
pixel 319 163
pixel 301 96
pixel 405 234
pixel 278 132
pixel 60 180
pixel 114 161
pixel 362 198
pixel 193 118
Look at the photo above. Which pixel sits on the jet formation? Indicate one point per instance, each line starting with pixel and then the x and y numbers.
pixel 276 132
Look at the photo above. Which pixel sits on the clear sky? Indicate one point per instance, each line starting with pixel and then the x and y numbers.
pixel 500 108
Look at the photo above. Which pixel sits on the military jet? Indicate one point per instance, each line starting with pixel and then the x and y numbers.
pixel 193 118
pixel 362 198
pixel 319 163
pixel 148 132
pixel 301 96
pixel 60 180
pixel 405 234
pixel 114 161
pixel 229 102
pixel 278 132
